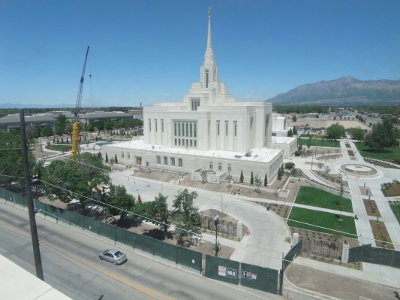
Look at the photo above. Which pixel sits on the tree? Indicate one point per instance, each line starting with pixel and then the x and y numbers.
pixel 11 162
pixel 60 125
pixel 203 175
pixel 251 178
pixel 99 155
pixel 241 176
pixel 257 182
pixel 100 125
pixel 122 202
pixel 309 142
pixel 74 179
pixel 265 179
pixel 335 131
pixel 294 130
pixel 158 211
pixel 289 165
pixel 46 131
pixel 116 159
pixel 108 125
pixel 356 133
pixel 290 133
pixel 383 135
pixel 294 118
pixel 186 215
pixel 106 158
pixel 90 127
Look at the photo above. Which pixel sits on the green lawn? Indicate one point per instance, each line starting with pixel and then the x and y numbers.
pixel 385 154
pixel 322 219
pixel 319 198
pixel 319 142
pixel 396 211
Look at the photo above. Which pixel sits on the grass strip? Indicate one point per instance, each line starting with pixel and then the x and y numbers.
pixel 322 219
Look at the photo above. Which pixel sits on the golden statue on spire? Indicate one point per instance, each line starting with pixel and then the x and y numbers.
pixel 209 12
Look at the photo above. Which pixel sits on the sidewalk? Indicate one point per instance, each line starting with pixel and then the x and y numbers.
pixel 326 281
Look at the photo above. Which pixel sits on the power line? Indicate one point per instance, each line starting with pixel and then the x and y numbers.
pixel 287 219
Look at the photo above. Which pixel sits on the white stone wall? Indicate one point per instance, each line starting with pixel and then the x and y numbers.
pixel 191 163
pixel 252 119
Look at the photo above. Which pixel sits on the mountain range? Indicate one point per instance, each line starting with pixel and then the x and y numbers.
pixel 343 91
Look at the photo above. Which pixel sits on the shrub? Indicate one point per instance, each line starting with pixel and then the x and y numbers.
pixel 289 165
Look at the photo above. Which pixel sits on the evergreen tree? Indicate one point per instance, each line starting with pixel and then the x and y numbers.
pixel 241 176
pixel 106 158
pixel 139 199
pixel 116 159
pixel 294 130
pixel 99 155
pixel 251 178
pixel 265 180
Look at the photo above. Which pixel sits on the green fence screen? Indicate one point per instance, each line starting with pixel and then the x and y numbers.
pixel 124 236
pixel 107 230
pixel 144 243
pixel 296 249
pixel 189 258
pixel 91 225
pixel 165 250
pixel 76 219
pixel 259 278
pixel 222 269
pixel 377 256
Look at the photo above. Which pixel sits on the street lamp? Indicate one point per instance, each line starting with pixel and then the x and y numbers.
pixel 216 234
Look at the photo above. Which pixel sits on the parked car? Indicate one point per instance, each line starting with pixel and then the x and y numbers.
pixel 114 256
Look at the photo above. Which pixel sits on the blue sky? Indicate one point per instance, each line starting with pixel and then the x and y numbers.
pixel 151 50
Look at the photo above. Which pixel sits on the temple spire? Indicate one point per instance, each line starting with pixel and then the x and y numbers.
pixel 209 55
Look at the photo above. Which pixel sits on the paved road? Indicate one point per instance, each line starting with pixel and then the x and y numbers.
pixel 71 265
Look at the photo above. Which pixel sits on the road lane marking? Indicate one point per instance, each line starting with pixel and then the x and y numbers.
pixel 150 293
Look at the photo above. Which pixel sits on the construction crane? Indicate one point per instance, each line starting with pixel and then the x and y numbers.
pixel 75 126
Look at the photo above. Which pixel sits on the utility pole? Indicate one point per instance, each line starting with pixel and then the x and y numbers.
pixel 31 212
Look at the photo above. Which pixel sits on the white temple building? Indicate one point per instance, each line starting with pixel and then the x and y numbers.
pixel 209 130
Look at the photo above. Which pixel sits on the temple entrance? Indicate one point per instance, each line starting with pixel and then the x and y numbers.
pixel 138 162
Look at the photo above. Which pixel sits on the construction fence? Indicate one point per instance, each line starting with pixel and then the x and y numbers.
pixel 233 272
pixel 380 256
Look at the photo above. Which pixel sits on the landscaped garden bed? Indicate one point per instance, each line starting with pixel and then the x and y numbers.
pixel 372 208
pixel 350 152
pixel 391 189
pixel 381 235
pixel 381 164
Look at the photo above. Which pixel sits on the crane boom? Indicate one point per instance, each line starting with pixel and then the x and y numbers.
pixel 80 91
pixel 75 127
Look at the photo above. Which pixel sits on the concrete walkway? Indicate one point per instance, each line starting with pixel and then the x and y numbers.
pixel 262 247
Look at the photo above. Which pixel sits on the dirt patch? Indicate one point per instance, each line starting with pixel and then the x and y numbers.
pixel 350 152
pixel 160 176
pixel 391 189
pixel 365 191
pixel 372 208
pixel 381 235
pixel 334 178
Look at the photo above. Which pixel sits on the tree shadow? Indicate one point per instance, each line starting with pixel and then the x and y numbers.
pixel 370 150
pixel 158 234
pixel 126 223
